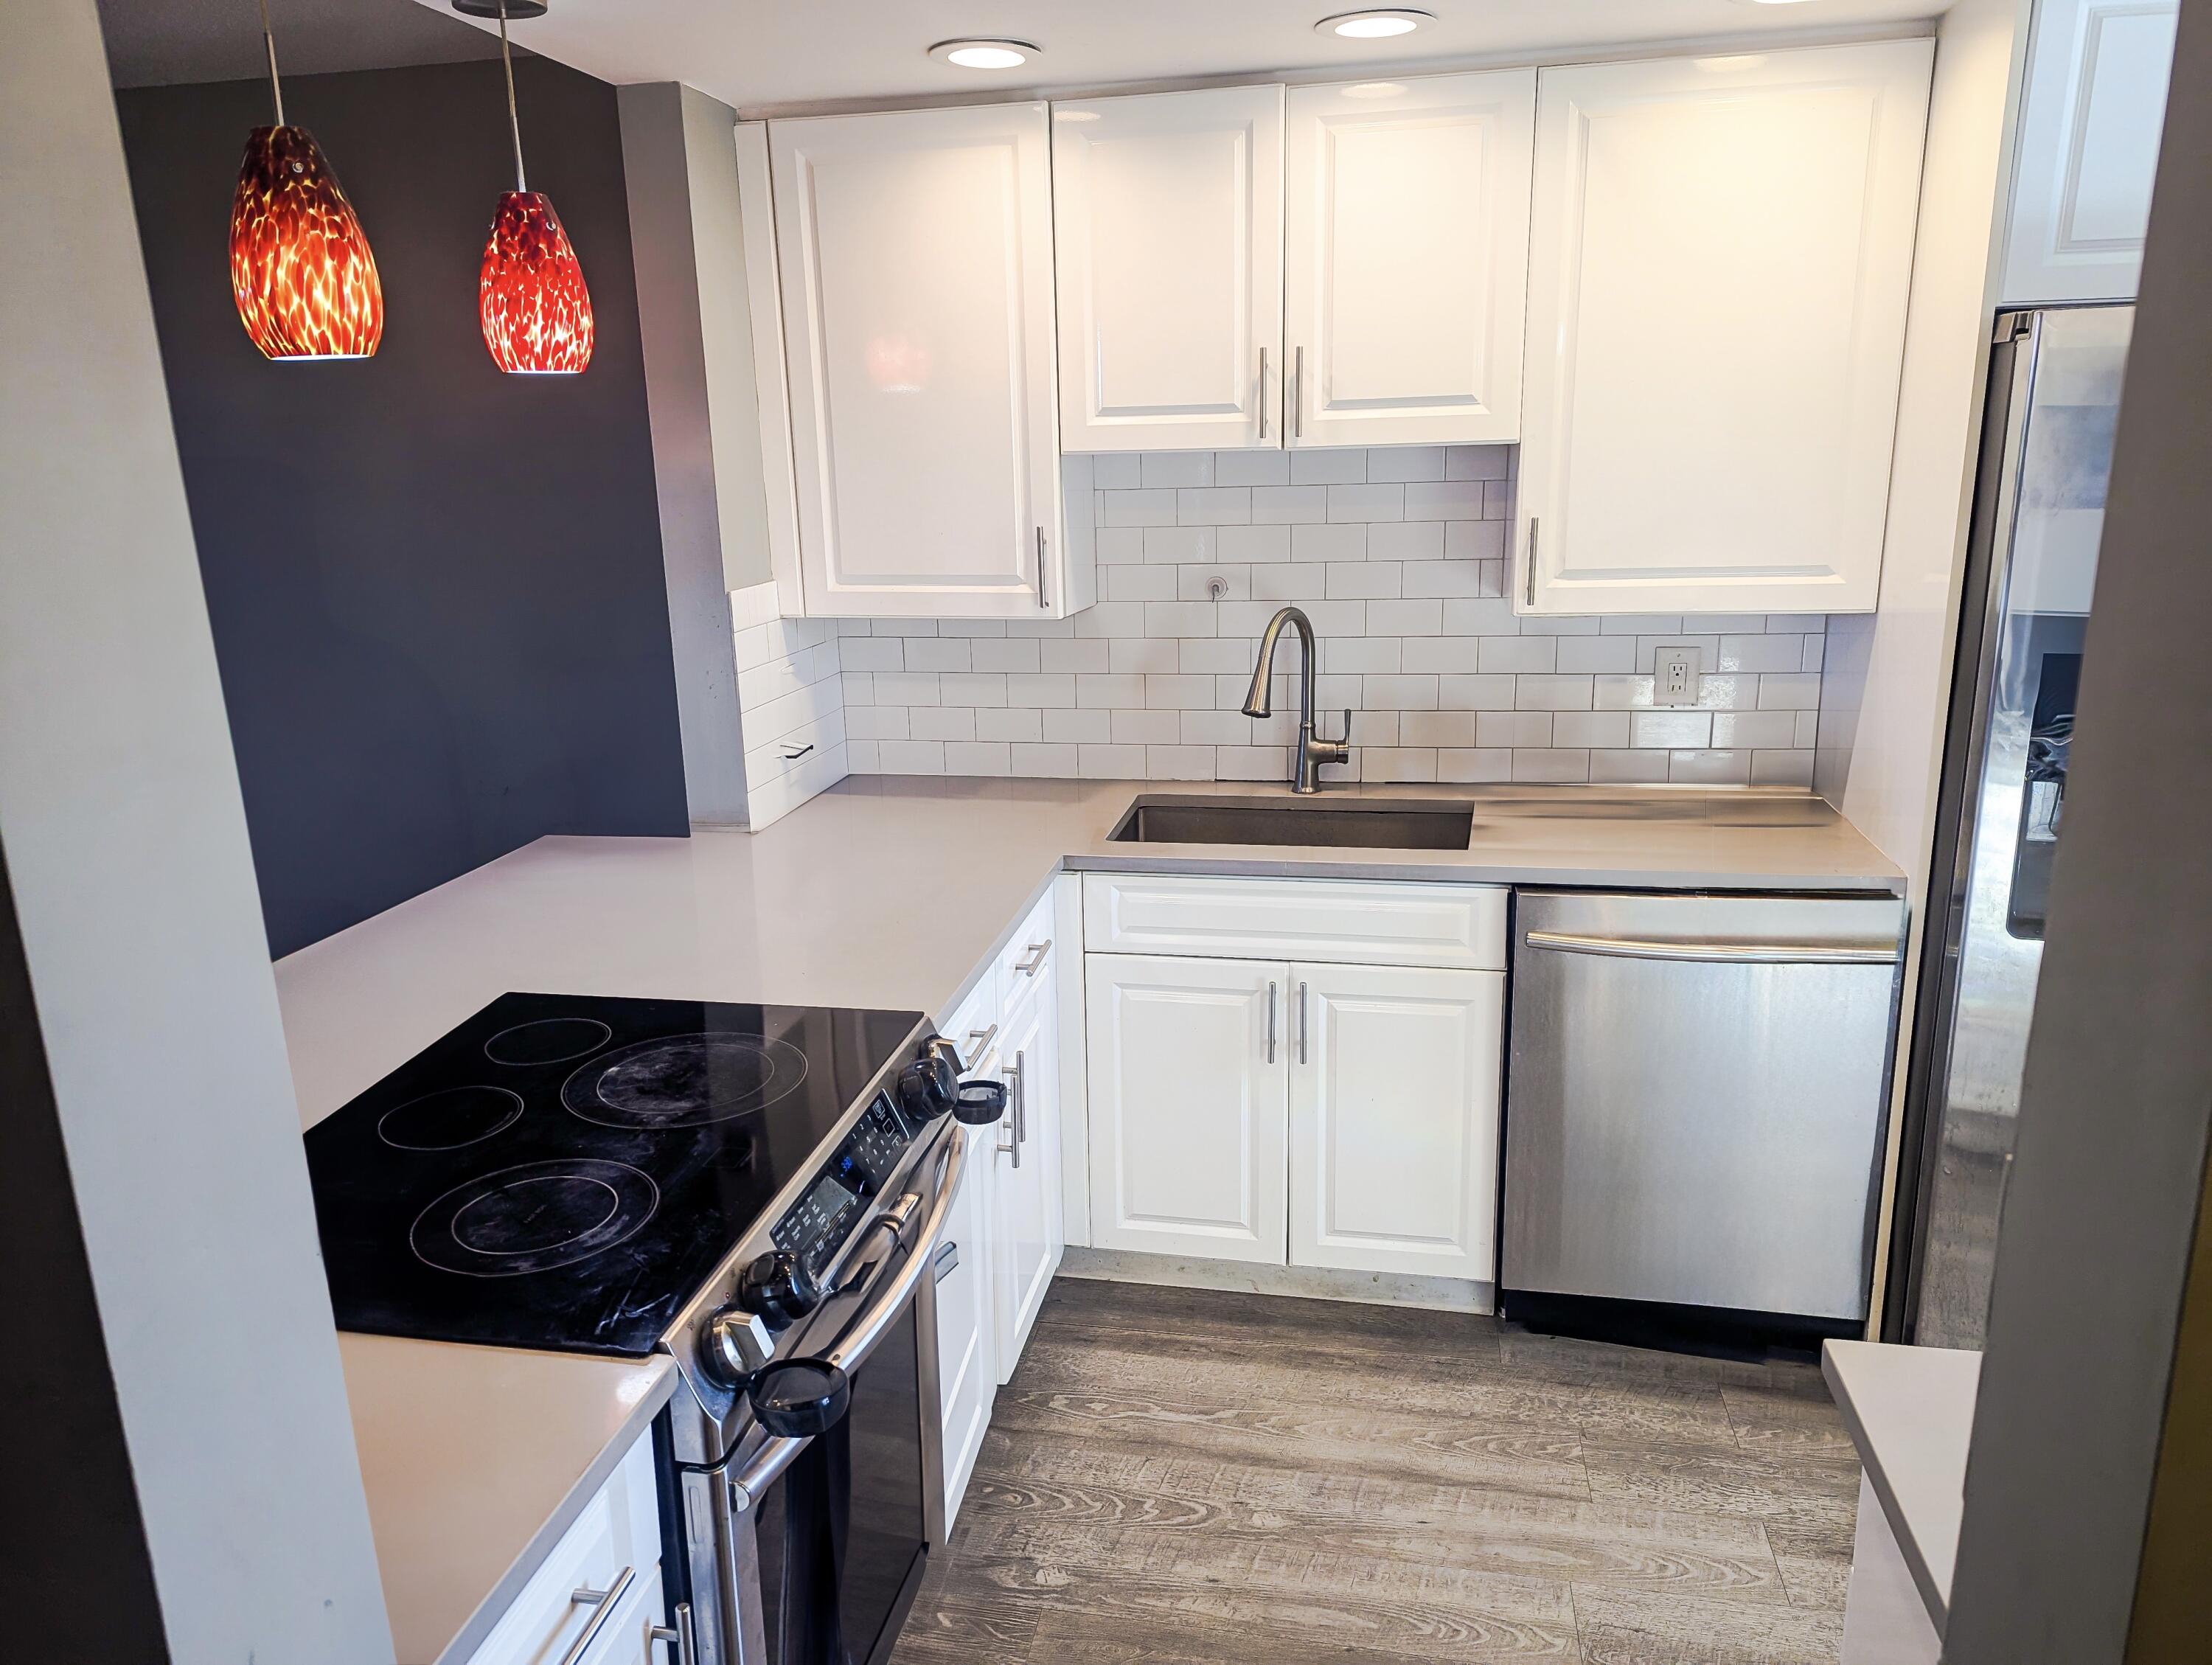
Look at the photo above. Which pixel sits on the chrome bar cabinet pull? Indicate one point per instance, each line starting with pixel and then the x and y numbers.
pixel 606 1600
pixel 1034 961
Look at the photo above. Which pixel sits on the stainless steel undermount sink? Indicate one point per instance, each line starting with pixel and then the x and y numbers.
pixel 1351 824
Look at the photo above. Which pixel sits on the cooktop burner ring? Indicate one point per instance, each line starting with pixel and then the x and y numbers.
pixel 534 1217
pixel 450 1118
pixel 684 1081
pixel 547 1040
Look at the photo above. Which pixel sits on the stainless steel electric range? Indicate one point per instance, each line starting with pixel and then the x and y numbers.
pixel 759 1191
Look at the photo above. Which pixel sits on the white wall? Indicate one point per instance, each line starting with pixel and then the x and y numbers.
pixel 134 892
pixel 1895 750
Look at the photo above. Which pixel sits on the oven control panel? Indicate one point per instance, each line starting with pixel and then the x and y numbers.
pixel 864 1161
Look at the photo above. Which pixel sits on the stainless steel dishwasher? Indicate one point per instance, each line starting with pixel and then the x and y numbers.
pixel 1696 1099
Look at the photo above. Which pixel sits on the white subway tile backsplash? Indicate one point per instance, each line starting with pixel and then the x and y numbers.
pixel 1327 467
pixel 1399 556
pixel 1251 468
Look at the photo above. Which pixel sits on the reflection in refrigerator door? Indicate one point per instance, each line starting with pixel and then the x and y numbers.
pixel 2054 396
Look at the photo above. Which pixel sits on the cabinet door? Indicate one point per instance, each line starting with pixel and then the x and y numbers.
pixel 915 250
pixel 1188 1084
pixel 2089 146
pixel 1025 1185
pixel 967 1372
pixel 1394 1119
pixel 1407 261
pixel 1720 251
pixel 1168 220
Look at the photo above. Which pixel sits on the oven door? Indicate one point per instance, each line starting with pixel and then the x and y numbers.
pixel 812 1549
pixel 843 1527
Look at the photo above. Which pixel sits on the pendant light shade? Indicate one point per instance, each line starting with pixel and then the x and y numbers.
pixel 300 267
pixel 536 311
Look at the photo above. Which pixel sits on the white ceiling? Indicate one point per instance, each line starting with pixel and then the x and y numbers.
pixel 767 54
pixel 153 43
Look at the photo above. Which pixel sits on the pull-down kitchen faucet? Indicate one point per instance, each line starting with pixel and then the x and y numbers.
pixel 1313 751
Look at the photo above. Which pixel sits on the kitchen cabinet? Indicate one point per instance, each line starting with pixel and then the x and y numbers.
pixel 1337 1110
pixel 1720 251
pixel 1394 1091
pixel 967 1349
pixel 1407 263
pixel 1189 1105
pixel 913 255
pixel 1025 1184
pixel 605 1570
pixel 1167 229
pixel 2089 125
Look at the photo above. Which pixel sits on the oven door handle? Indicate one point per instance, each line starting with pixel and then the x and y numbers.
pixel 761 1469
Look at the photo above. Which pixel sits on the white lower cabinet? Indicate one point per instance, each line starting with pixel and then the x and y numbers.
pixel 1395 1089
pixel 967 1373
pixel 1025 1178
pixel 604 1570
pixel 1319 1113
pixel 1190 1086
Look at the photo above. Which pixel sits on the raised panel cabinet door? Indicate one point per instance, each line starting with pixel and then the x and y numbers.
pixel 915 251
pixel 1025 1187
pixel 1720 250
pixel 1406 276
pixel 1394 1091
pixel 967 1369
pixel 1188 1078
pixel 1168 220
pixel 2089 126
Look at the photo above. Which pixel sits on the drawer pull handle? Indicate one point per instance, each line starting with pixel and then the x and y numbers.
pixel 1271 1022
pixel 606 1600
pixel 678 1635
pixel 980 1040
pixel 1034 963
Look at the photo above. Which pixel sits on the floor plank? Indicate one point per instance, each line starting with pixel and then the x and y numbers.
pixel 1178 1476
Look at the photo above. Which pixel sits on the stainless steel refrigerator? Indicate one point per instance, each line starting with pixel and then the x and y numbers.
pixel 2039 514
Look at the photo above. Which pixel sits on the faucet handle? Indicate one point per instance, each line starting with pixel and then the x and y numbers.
pixel 1333 751
pixel 1346 739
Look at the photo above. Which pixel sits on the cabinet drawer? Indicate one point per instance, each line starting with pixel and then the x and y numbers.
pixel 619 1528
pixel 1026 962
pixel 1337 922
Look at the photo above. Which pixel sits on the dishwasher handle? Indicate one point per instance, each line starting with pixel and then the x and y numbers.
pixel 1719 953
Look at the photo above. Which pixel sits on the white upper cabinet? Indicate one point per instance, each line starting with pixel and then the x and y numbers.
pixel 1720 251
pixel 1406 265
pixel 1168 215
pixel 2088 146
pixel 915 254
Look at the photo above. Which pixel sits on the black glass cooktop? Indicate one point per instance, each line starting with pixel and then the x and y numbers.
pixel 564 1172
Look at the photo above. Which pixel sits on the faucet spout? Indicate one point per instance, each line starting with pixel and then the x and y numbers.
pixel 1312 750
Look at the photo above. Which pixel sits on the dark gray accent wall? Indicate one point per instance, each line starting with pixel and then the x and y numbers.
pixel 436 590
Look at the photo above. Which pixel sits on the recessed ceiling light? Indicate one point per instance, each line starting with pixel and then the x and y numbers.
pixel 1373 25
pixel 985 54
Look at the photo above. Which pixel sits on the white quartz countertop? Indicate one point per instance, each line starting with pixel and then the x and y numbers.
pixel 881 892
pixel 1911 1412
pixel 476 1459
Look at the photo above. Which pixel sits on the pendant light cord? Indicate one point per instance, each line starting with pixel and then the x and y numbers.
pixel 513 121
pixel 275 87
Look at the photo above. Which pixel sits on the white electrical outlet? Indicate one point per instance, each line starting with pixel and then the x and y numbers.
pixel 1675 681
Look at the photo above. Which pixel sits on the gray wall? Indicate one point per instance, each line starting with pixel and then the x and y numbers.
pixel 2102 1206
pixel 143 1052
pixel 437 591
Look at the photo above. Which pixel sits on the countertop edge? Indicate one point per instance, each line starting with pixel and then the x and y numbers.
pixel 1933 1594
pixel 502 1595
pixel 1218 861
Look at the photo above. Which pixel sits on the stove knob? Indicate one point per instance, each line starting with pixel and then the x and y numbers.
pixel 800 1397
pixel 778 1287
pixel 980 1104
pixel 736 1344
pixel 928 1086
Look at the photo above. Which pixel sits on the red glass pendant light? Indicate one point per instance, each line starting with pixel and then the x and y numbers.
pixel 300 267
pixel 536 310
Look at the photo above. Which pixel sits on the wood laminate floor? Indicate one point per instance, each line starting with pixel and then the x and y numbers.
pixel 1182 1477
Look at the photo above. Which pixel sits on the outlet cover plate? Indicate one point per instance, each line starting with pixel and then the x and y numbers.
pixel 1674 681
